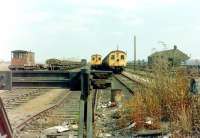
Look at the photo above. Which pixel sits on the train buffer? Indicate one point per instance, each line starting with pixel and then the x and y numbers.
pixel 101 79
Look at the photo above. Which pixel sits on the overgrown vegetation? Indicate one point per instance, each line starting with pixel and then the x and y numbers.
pixel 166 102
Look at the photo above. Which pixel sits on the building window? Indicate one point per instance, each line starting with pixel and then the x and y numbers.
pixel 112 57
pixel 122 57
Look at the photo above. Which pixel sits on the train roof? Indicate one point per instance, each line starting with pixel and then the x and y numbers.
pixel 113 52
pixel 117 51
pixel 21 51
pixel 96 55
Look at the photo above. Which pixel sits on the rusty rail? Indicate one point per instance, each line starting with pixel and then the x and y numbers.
pixel 137 82
pixel 18 97
pixel 37 115
pixel 134 80
pixel 130 90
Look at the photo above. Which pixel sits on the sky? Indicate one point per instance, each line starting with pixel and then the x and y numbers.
pixel 80 28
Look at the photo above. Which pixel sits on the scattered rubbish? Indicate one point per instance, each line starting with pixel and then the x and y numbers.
pixel 131 125
pixel 103 106
pixel 65 123
pixel 75 126
pixel 62 128
pixel 167 136
pixel 148 121
pixel 109 103
pixel 112 104
pixel 116 115
pixel 107 135
pixel 103 135
pixel 58 129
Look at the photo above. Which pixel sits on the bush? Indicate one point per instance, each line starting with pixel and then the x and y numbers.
pixel 164 99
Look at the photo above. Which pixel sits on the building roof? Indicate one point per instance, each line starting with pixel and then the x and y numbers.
pixel 176 53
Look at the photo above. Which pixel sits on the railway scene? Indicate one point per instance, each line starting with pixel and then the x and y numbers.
pixel 99 69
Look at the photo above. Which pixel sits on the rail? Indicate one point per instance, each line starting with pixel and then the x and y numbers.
pixel 124 84
pixel 135 82
pixel 34 117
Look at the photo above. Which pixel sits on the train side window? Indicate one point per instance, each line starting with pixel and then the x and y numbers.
pixel 122 57
pixel 112 57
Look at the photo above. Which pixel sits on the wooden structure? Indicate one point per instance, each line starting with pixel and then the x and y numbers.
pixel 21 59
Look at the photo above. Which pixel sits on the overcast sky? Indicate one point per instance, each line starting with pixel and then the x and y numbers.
pixel 79 28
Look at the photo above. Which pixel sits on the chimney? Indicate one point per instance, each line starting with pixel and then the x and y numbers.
pixel 175 47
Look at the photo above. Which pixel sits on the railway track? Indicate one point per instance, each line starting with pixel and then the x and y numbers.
pixel 127 81
pixel 25 106
pixel 14 98
pixel 65 111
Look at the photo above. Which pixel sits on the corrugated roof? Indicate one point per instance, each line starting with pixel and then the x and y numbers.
pixel 21 51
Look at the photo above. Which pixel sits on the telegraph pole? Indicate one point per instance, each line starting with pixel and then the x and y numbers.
pixel 134 52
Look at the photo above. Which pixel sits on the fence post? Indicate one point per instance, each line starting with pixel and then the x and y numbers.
pixel 5 80
pixel 89 116
pixel 83 101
